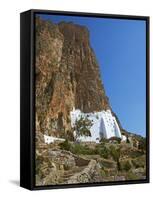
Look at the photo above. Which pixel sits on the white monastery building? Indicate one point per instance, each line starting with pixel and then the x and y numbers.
pixel 104 125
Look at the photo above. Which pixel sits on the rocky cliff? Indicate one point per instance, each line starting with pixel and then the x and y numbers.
pixel 67 76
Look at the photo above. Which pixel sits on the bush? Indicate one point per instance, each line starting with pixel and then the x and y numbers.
pixel 103 173
pixel 103 151
pixel 127 140
pixel 135 154
pixel 126 165
pixel 115 153
pixel 104 140
pixel 82 149
pixel 115 139
pixel 142 144
pixel 82 127
pixel 66 145
pixel 139 162
pixel 131 176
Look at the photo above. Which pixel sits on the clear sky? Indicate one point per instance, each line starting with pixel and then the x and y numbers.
pixel 120 47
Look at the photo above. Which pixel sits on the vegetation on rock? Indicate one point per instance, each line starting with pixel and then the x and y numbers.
pixel 82 127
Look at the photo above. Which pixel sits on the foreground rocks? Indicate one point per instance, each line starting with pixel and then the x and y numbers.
pixel 58 166
pixel 91 173
pixel 63 167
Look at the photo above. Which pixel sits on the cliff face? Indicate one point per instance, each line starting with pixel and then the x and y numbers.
pixel 67 76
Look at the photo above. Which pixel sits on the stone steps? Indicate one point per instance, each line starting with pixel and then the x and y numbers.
pixel 67 174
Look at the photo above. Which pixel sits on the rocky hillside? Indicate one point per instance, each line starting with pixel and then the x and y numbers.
pixel 70 162
pixel 67 76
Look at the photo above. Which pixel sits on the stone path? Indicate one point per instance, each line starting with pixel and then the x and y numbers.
pixel 70 173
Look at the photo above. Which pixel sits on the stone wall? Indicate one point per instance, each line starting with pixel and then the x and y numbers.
pixel 60 166
pixel 91 173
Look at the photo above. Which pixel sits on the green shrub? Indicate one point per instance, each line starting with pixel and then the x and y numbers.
pixel 103 173
pixel 103 151
pixel 82 149
pixel 135 154
pixel 127 140
pixel 82 127
pixel 66 145
pixel 131 176
pixel 115 139
pixel 126 165
pixel 139 162
pixel 142 144
pixel 104 140
pixel 115 152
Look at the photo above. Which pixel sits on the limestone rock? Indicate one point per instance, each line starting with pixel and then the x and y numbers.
pixel 67 76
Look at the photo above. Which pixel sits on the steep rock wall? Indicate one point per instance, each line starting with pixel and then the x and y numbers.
pixel 67 76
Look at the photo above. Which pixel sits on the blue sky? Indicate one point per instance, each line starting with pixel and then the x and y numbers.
pixel 120 48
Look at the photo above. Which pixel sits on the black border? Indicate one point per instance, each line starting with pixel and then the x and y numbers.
pixel 32 98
